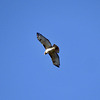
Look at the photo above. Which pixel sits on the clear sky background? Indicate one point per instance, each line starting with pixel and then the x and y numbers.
pixel 26 74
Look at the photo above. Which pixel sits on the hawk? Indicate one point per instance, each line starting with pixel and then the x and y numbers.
pixel 49 49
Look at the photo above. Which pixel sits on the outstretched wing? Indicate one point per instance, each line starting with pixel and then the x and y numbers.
pixel 46 43
pixel 55 58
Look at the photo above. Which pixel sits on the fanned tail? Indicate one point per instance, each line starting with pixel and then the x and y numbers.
pixel 56 48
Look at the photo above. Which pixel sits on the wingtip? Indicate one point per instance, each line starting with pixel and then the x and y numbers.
pixel 57 66
pixel 37 33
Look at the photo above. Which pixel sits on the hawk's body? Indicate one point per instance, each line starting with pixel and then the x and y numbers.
pixel 51 50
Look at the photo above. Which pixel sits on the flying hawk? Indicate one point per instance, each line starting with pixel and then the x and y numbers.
pixel 49 49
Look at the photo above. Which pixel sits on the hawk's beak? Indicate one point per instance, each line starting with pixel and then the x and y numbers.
pixel 45 53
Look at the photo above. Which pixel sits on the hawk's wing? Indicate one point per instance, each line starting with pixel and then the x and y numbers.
pixel 46 43
pixel 55 58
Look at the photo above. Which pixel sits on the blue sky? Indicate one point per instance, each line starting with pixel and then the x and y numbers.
pixel 26 74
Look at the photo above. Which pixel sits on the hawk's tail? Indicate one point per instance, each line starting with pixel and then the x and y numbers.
pixel 56 48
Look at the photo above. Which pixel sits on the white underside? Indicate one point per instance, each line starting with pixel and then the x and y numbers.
pixel 49 49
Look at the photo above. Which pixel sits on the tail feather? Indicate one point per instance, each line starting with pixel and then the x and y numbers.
pixel 56 48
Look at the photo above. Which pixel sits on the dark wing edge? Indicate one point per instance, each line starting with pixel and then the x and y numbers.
pixel 55 58
pixel 46 43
